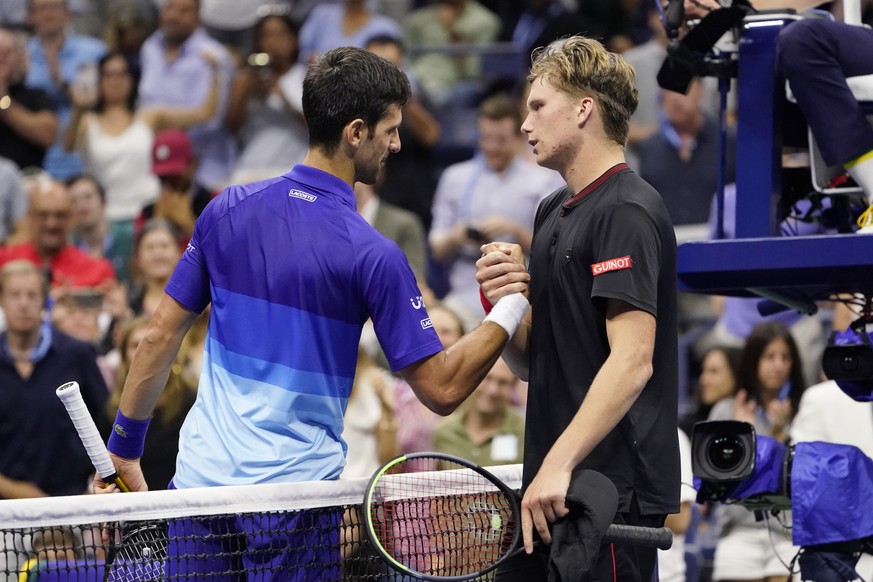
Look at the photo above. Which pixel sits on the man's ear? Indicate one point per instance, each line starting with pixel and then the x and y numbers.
pixel 355 132
pixel 584 109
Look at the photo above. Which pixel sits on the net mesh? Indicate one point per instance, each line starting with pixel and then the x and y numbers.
pixel 294 532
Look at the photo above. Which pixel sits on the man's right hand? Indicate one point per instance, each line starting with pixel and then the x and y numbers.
pixel 130 472
pixel 501 271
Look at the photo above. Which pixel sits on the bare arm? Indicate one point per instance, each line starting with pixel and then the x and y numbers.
pixel 160 118
pixel 442 381
pixel 618 383
pixel 13 489
pixel 147 378
pixel 39 127
pixel 74 136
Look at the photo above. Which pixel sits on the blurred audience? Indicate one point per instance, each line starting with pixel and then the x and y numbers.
pixel 231 22
pixel 409 178
pixel 369 424
pixel 176 74
pixel 396 224
pixel 671 563
pixel 92 232
pixel 155 254
pixel 681 159
pixel 28 123
pixel 415 422
pixel 544 21
pixel 41 453
pixel 181 198
pixel 116 140
pixel 446 27
pixel 13 203
pixel 771 379
pixel 50 222
pixel 128 24
pixel 349 23
pixel 266 102
pixel 492 197
pixel 59 61
pixel 487 429
pixel 719 379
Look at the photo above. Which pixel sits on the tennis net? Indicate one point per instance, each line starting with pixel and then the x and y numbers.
pixel 294 531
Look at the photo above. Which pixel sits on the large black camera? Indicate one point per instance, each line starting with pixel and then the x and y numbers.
pixel 734 465
pixel 848 360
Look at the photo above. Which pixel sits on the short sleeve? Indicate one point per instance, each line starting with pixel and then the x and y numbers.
pixel 627 257
pixel 189 283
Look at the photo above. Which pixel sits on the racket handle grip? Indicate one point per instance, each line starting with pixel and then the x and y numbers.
pixel 658 537
pixel 71 396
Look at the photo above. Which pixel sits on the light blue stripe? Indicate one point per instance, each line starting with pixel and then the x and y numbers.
pixel 244 431
pixel 252 371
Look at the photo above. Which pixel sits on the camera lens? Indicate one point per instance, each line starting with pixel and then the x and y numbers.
pixel 726 452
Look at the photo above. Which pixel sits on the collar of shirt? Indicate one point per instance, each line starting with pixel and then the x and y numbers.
pixel 323 182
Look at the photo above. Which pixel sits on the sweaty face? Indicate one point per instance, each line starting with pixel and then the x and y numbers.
pixel 376 146
pixel 22 301
pixel 551 125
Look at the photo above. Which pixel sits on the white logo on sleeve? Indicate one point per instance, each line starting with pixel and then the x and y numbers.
pixel 426 323
pixel 302 195
pixel 417 302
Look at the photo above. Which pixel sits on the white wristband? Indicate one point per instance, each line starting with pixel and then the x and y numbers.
pixel 509 311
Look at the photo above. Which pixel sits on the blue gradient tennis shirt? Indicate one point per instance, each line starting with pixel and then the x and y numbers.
pixel 293 272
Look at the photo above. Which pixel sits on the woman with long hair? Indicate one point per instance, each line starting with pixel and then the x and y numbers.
pixel 155 254
pixel 115 138
pixel 719 379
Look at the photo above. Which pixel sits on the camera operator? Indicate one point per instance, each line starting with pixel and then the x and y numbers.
pixel 771 376
pixel 265 101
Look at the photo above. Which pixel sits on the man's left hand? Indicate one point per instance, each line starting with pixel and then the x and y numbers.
pixel 544 502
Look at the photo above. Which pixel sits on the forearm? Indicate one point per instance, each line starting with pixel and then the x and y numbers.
pixel 14 489
pixel 72 134
pixel 516 353
pixel 39 127
pixel 422 125
pixel 154 359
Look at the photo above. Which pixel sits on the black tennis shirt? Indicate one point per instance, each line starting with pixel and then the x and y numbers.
pixel 612 240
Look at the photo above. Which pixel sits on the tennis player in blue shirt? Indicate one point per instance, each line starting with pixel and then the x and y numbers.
pixel 292 272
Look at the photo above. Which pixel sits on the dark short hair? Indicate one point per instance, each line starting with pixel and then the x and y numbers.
pixel 499 107
pixel 101 191
pixel 345 84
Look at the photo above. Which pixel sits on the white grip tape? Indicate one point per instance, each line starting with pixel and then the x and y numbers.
pixel 509 311
pixel 71 396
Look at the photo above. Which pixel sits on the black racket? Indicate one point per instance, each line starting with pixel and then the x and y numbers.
pixel 439 517
pixel 140 553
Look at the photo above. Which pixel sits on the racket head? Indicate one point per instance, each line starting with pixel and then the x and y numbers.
pixel 435 516
pixel 141 553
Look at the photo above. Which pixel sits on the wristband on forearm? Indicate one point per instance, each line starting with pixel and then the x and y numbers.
pixel 128 437
pixel 509 311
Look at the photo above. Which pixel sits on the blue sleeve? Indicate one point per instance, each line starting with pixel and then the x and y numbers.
pixel 396 307
pixel 189 283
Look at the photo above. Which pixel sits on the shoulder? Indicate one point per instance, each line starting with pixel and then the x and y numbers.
pixel 87 46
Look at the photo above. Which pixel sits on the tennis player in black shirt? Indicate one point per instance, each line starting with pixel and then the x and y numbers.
pixel 599 346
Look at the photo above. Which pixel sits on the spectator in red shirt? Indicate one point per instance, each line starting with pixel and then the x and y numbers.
pixel 50 221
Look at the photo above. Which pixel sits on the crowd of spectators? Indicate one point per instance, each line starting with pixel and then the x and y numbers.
pixel 121 119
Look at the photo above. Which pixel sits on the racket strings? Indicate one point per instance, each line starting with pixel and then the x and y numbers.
pixel 451 522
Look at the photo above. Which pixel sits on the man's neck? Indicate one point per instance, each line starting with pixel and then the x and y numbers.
pixel 338 165
pixel 46 256
pixel 94 236
pixel 480 427
pixel 52 41
pixel 22 342
pixel 591 163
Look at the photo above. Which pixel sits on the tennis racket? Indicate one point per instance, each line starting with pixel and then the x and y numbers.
pixel 141 552
pixel 457 522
